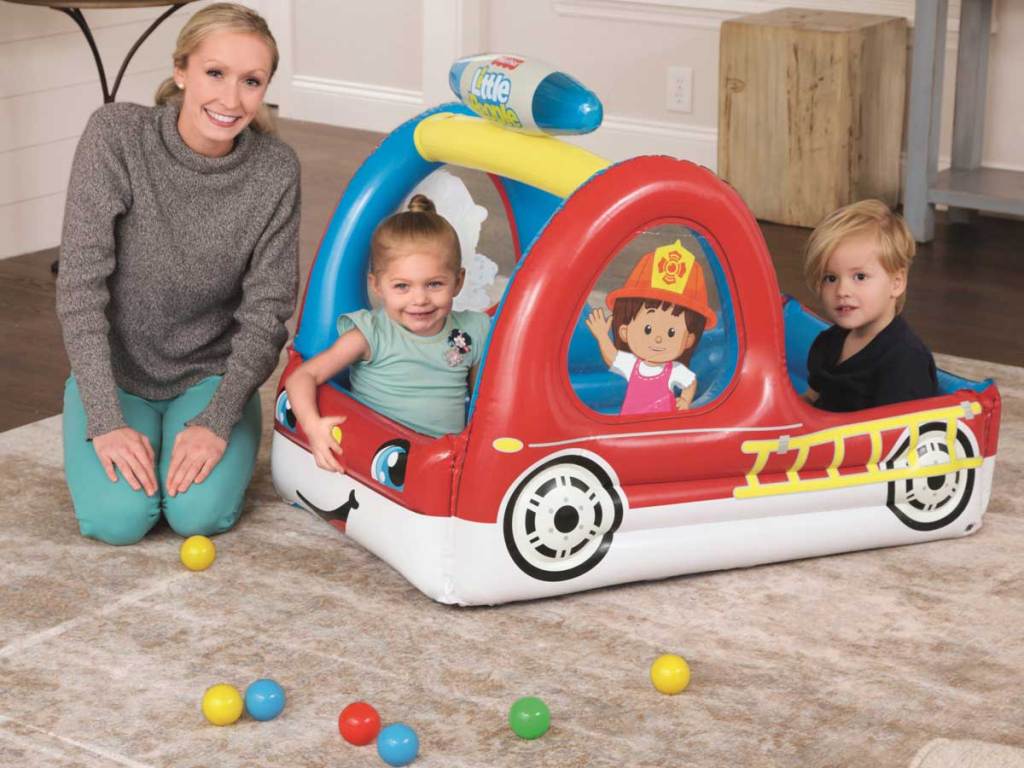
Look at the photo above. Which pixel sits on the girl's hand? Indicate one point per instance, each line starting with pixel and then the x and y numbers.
pixel 196 452
pixel 130 452
pixel 599 323
pixel 686 397
pixel 323 445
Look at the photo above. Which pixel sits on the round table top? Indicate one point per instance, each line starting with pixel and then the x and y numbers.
pixel 101 3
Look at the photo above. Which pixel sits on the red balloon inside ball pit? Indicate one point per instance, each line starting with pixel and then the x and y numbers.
pixel 359 723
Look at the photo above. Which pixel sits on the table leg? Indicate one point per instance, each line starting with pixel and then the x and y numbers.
pixel 79 18
pixel 923 123
pixel 149 30
pixel 969 103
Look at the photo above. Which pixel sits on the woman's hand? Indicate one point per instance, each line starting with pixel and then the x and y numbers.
pixel 324 444
pixel 196 452
pixel 130 452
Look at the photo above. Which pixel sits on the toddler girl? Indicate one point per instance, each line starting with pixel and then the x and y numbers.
pixel 413 359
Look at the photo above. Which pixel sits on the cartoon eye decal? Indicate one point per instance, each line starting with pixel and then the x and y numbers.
pixel 389 462
pixel 283 412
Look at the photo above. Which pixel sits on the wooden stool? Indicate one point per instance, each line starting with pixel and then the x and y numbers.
pixel 811 110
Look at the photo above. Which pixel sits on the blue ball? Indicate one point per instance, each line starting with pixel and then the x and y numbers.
pixel 397 744
pixel 264 699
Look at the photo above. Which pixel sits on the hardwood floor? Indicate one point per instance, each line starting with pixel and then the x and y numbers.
pixel 966 294
pixel 35 366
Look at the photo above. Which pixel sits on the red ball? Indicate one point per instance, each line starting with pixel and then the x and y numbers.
pixel 359 723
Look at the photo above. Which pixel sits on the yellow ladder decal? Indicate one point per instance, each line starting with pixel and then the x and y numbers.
pixel 876 453
pixel 838 454
pixel 873 473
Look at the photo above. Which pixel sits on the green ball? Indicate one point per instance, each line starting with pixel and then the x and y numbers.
pixel 529 718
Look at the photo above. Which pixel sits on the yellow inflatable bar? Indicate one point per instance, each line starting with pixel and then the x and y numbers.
pixel 543 162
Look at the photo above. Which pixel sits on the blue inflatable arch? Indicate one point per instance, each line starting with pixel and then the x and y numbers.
pixel 337 282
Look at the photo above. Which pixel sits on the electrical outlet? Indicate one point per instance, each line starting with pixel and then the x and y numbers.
pixel 679 89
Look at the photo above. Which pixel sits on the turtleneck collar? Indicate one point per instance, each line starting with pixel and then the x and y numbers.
pixel 180 151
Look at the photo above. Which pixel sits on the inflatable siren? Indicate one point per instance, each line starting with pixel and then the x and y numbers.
pixel 526 96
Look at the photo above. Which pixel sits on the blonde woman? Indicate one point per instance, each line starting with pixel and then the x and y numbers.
pixel 178 272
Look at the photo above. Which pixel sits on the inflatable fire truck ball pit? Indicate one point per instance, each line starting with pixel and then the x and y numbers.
pixel 551 488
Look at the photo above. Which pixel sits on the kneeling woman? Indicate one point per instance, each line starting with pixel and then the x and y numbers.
pixel 178 270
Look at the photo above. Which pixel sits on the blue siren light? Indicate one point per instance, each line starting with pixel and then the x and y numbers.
pixel 523 95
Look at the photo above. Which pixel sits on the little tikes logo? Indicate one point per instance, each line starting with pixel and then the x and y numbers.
pixel 672 267
pixel 507 62
pixel 489 92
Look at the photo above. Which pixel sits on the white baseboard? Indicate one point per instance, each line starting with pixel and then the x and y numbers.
pixel 379 108
pixel 351 105
pixel 620 137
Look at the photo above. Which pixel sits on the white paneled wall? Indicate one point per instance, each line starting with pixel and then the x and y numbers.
pixel 48 89
pixel 374 65
pixel 365 67
pixel 619 48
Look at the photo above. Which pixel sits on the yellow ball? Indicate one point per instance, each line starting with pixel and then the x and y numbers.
pixel 198 553
pixel 336 434
pixel 222 704
pixel 670 673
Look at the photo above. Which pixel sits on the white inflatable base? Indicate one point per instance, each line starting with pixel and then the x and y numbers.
pixel 466 563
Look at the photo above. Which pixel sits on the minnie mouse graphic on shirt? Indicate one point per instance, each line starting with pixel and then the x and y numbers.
pixel 459 346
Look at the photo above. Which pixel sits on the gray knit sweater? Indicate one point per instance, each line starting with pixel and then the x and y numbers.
pixel 175 266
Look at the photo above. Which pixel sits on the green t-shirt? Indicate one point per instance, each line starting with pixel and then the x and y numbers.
pixel 420 381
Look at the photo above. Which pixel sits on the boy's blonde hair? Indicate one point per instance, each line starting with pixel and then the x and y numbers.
pixel 420 221
pixel 896 246
pixel 217 18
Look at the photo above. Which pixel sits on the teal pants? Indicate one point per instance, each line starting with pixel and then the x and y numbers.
pixel 116 514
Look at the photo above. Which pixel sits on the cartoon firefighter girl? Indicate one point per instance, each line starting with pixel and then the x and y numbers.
pixel 657 319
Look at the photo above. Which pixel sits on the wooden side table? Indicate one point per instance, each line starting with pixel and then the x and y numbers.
pixel 967 185
pixel 811 110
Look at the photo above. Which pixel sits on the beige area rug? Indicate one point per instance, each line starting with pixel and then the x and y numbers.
pixel 947 753
pixel 852 660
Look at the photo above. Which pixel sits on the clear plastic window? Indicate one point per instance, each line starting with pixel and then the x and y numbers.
pixel 657 334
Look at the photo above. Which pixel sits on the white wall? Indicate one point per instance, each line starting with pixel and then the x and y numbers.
pixel 621 49
pixel 335 43
pixel 1005 113
pixel 374 65
pixel 48 89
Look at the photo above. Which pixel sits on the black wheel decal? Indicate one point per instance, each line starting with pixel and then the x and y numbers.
pixel 930 503
pixel 560 519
